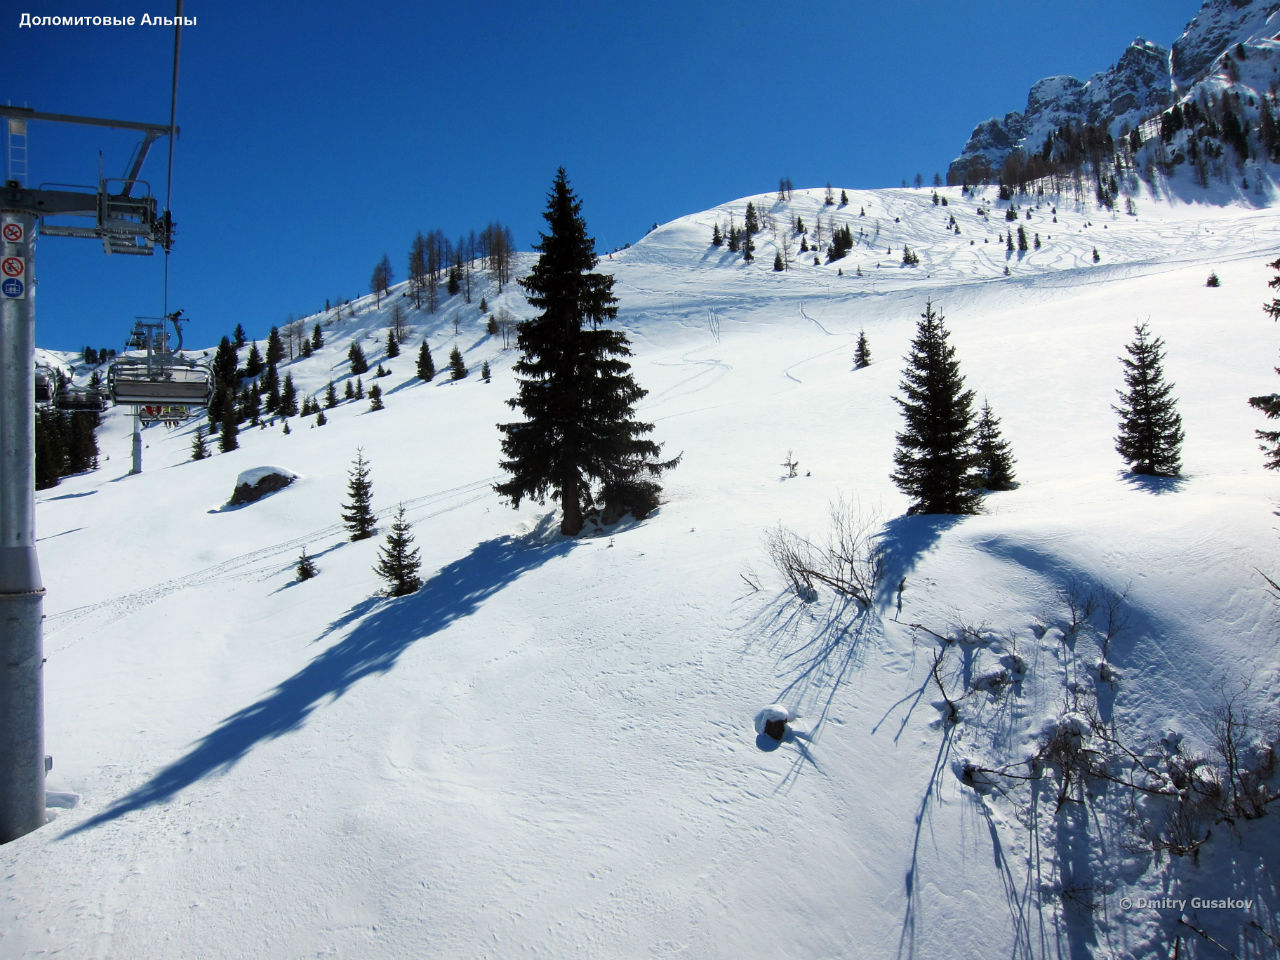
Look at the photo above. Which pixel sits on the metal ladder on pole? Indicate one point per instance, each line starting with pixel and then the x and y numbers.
pixel 16 159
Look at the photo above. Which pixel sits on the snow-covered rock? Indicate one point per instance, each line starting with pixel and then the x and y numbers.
pixel 773 719
pixel 255 484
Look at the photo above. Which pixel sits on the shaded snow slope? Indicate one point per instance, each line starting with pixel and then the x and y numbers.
pixel 549 751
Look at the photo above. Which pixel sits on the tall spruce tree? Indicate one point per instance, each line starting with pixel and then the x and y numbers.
pixel 398 561
pixel 575 386
pixel 1150 437
pixel 934 458
pixel 253 364
pixel 228 437
pixel 288 405
pixel 457 366
pixel 357 514
pixel 1270 404
pixel 992 456
pixel 862 352
pixel 275 347
pixel 51 447
pixel 426 366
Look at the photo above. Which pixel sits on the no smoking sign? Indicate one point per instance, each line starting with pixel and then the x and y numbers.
pixel 13 232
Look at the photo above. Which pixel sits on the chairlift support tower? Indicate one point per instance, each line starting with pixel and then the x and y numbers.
pixel 161 377
pixel 124 223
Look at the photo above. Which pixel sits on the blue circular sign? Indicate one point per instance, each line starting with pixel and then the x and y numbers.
pixel 13 287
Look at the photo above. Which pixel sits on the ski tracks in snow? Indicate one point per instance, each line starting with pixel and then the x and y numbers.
pixel 710 372
pixel 255 564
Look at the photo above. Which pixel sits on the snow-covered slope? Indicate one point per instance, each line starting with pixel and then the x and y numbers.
pixel 549 750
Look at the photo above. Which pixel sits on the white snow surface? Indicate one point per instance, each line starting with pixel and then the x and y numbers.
pixel 548 750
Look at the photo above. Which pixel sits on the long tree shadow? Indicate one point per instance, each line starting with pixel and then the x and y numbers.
pixel 384 629
pixel 904 541
pixel 911 882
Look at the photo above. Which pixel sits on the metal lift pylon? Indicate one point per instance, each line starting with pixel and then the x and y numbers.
pixel 124 223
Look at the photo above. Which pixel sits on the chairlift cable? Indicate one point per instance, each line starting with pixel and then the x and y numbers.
pixel 173 115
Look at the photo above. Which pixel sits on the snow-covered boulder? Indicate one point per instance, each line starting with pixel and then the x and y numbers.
pixel 772 721
pixel 255 484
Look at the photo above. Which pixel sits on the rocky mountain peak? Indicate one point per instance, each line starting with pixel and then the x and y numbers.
pixel 1145 80
pixel 1219 24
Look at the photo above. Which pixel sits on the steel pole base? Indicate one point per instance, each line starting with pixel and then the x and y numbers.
pixel 22 788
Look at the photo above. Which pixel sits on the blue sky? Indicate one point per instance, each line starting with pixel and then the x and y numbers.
pixel 315 141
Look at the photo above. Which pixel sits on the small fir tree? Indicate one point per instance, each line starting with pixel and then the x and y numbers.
pixel 321 419
pixel 349 391
pixel 359 395
pixel 457 368
pixel 357 514
pixel 356 356
pixel 993 459
pixel 862 352
pixel 485 373
pixel 330 397
pixel 375 398
pixel 426 366
pixel 934 457
pixel 393 345
pixel 398 561
pixel 306 568
pixel 1150 437
pixel 200 445
pixel 317 338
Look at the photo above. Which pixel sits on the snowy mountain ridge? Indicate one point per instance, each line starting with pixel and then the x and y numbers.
pixel 1147 79
pixel 549 749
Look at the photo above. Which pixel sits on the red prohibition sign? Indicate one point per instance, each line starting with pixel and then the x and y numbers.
pixel 13 266
pixel 13 232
